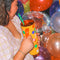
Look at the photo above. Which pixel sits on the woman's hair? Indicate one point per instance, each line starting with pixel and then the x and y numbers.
pixel 4 7
pixel 8 4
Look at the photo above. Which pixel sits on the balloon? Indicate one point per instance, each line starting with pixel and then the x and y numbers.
pixel 44 39
pixel 44 52
pixel 55 22
pixel 54 8
pixel 20 9
pixel 26 6
pixel 46 28
pixel 39 58
pixel 55 58
pixel 55 0
pixel 43 55
pixel 40 5
pixel 23 1
pixel 53 44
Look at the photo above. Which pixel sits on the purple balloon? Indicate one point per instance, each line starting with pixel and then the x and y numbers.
pixel 20 9
pixel 55 22
pixel 54 8
pixel 55 0
pixel 39 58
pixel 43 54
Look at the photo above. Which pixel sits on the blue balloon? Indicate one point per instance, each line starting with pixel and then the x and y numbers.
pixel 20 9
pixel 54 8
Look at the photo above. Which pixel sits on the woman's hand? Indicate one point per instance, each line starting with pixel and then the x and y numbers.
pixel 27 45
pixel 13 9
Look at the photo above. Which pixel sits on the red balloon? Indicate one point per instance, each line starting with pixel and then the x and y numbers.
pixel 40 5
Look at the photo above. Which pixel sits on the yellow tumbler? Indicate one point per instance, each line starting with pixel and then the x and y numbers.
pixel 29 29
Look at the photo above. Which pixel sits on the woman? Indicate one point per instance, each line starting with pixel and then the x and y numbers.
pixel 11 47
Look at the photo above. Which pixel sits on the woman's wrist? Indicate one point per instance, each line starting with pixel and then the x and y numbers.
pixel 22 52
pixel 19 56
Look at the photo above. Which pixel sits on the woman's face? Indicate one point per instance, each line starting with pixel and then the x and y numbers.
pixel 13 9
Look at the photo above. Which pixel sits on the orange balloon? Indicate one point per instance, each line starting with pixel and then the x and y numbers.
pixel 40 5
pixel 54 58
pixel 53 44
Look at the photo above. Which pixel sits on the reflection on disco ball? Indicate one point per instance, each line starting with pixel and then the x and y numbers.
pixel 46 28
pixel 45 38
pixel 35 14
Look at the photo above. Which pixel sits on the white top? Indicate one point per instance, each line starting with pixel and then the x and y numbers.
pixel 9 45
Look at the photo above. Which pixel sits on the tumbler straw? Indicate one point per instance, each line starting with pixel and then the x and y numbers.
pixel 21 18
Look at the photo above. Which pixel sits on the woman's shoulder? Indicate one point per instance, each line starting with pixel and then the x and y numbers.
pixel 16 19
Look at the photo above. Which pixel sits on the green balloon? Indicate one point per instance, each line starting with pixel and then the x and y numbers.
pixel 26 7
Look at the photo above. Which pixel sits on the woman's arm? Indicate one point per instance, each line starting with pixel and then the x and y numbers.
pixel 19 56
pixel 26 47
pixel 13 30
